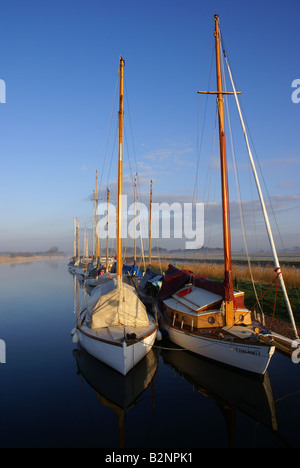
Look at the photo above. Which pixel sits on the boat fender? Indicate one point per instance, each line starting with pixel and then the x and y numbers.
pixel 158 335
pixel 75 338
pixel 164 333
pixel 130 336
pixel 73 331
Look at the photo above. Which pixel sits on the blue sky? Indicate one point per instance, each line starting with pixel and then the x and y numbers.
pixel 59 60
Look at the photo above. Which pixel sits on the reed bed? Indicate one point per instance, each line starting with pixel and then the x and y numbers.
pixel 262 274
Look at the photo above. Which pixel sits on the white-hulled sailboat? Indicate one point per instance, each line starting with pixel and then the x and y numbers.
pixel 115 327
pixel 206 317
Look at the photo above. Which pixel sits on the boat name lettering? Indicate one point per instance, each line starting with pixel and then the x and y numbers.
pixel 248 351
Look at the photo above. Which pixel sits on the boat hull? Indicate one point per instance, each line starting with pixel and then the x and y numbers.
pixel 121 356
pixel 248 357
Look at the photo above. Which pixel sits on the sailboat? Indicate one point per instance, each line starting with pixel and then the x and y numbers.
pixel 114 327
pixel 207 317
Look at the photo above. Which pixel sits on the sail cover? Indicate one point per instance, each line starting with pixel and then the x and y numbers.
pixel 119 306
pixel 132 270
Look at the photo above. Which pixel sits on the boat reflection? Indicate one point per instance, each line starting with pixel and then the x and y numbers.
pixel 115 391
pixel 230 390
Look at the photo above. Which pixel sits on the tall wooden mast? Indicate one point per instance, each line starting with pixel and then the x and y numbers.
pixel 75 238
pixel 97 218
pixel 93 224
pixel 107 238
pixel 120 171
pixel 150 223
pixel 225 192
pixel 135 217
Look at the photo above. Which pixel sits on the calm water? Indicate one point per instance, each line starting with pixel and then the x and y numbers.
pixel 55 395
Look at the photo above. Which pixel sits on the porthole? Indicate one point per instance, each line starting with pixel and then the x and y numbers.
pixel 211 320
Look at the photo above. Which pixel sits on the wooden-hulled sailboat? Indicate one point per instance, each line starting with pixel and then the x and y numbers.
pixel 115 327
pixel 206 317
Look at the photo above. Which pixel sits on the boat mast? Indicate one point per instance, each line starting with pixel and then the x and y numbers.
pixel 150 221
pixel 78 240
pixel 75 232
pixel 225 192
pixel 97 218
pixel 84 241
pixel 135 217
pixel 93 224
pixel 107 200
pixel 120 173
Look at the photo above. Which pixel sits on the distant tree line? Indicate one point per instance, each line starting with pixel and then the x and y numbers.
pixel 53 251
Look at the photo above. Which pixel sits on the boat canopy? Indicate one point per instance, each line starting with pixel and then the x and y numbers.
pixel 132 270
pixel 150 277
pixel 119 306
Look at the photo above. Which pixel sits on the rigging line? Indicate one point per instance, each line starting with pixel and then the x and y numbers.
pixel 108 136
pixel 227 59
pixel 267 223
pixel 112 155
pixel 131 133
pixel 257 159
pixel 129 162
pixel 263 178
pixel 287 396
pixel 238 190
pixel 142 247
pixel 210 167
pixel 199 143
pixel 130 124
pixel 208 189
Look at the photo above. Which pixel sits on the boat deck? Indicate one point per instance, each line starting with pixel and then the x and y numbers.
pixel 118 334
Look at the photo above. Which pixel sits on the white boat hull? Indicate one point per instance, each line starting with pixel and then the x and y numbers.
pixel 121 356
pixel 253 358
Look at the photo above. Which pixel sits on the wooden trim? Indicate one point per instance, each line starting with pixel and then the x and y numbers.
pixel 96 338
pixel 128 343
pixel 214 334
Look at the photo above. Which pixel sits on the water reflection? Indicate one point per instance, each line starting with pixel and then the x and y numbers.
pixel 115 391
pixel 230 390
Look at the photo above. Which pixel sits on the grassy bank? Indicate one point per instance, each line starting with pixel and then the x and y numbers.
pixel 262 274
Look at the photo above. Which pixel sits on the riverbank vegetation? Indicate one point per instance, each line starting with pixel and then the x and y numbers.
pixel 268 290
